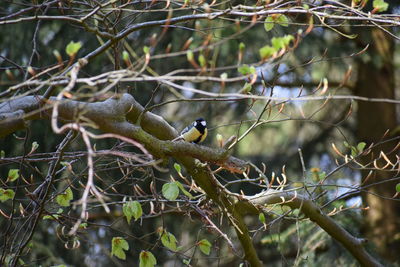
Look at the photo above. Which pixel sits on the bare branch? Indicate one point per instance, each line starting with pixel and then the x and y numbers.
pixel 315 214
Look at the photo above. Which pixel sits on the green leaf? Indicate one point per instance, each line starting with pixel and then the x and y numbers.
pixel 64 199
pixel 35 145
pixel 322 176
pixel 220 139
pixel 242 46
pixel 261 217
pixel 380 5
pixel 204 246
pixel 118 245
pixel 177 167
pixel 354 151
pixel 277 43
pixel 57 54
pixel 170 191
pixel 398 188
pixel 53 216
pixel 269 23
pixel 267 51
pixel 252 70
pixel 13 174
pixel 186 261
pixel 288 38
pixel 73 48
pixel 317 174
pixel 125 55
pixel 246 88
pixel 224 76
pixel 361 146
pixel 282 20
pixel 169 241
pixel 246 69
pixel 64 163
pixel 2 154
pixel 281 42
pixel 202 60
pixel 6 194
pixel 146 49
pixel 189 55
pixel 132 209
pixel 184 191
pixel 147 259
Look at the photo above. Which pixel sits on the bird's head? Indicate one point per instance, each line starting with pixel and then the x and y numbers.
pixel 200 122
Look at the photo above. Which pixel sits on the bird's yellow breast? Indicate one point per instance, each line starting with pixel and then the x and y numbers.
pixel 204 135
pixel 194 135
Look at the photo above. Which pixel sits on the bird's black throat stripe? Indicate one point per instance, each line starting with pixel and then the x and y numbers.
pixel 200 128
pixel 198 139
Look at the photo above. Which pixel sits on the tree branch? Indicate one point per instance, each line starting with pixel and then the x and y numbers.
pixel 313 212
pixel 117 116
pixel 122 115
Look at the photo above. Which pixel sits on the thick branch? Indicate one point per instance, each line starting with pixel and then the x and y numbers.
pixel 11 122
pixel 312 211
pixel 117 116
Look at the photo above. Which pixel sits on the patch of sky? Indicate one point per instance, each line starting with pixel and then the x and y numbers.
pixel 134 35
pixel 347 185
pixel 48 37
pixel 348 182
pixel 3 54
pixel 51 231
pixel 101 232
pixel 286 76
pixel 187 93
pixel 319 31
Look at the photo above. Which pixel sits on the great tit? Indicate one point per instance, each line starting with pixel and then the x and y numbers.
pixel 195 132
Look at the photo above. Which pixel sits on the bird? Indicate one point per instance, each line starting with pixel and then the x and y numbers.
pixel 196 132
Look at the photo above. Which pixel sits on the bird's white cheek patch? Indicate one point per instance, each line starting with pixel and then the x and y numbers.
pixel 203 123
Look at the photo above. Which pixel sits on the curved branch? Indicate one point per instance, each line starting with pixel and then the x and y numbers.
pixel 313 212
pixel 121 116
pixel 118 116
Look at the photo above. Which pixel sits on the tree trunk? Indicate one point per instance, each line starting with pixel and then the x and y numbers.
pixel 376 79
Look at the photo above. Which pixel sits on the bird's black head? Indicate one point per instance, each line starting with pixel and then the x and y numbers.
pixel 200 124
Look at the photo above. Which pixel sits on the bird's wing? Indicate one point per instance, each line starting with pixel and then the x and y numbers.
pixel 187 129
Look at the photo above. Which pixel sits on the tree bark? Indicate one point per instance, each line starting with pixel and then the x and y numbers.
pixel 376 79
